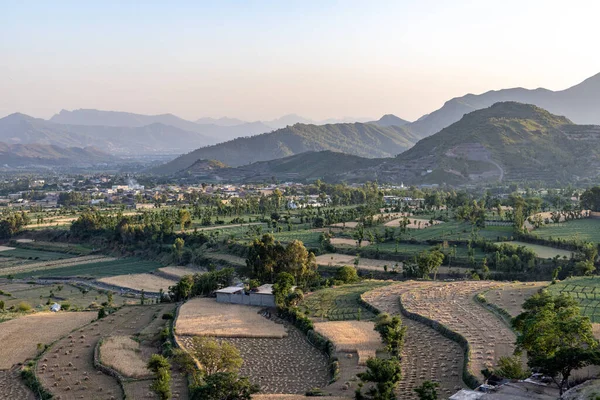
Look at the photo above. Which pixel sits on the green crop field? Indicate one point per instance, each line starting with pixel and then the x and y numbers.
pixel 100 269
pixel 586 290
pixel 543 251
pixel 339 303
pixel 309 238
pixel 31 254
pixel 455 230
pixel 587 229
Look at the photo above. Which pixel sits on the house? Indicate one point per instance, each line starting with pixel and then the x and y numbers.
pixel 262 296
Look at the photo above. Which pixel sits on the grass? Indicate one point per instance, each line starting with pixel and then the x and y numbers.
pixel 340 303
pixel 352 336
pixel 100 269
pixel 206 317
pixel 587 229
pixel 542 251
pixel 309 238
pixel 31 254
pixel 586 290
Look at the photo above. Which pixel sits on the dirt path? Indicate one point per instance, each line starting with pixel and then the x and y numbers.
pixel 427 355
pixel 67 369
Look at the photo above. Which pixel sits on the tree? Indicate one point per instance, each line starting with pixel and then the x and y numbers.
pixel 282 288
pixel 183 289
pixel 215 357
pixel 557 338
pixel 384 375
pixel 392 332
pixel 178 248
pixel 427 391
pixel 162 376
pixel 224 386
pixel 511 368
pixel 347 274
pixel 429 262
pixel 590 199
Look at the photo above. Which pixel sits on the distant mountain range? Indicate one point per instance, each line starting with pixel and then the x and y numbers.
pixel 508 141
pixel 580 103
pixel 366 140
pixel 20 155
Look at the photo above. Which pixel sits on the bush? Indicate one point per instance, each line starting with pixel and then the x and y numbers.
pixel 101 313
pixel 65 306
pixel 162 372
pixel 167 316
pixel 24 306
pixel 347 274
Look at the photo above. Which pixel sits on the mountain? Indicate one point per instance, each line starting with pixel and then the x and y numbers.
pixel 365 140
pixel 293 119
pixel 155 138
pixel 390 120
pixel 579 103
pixel 217 133
pixel 308 166
pixel 223 121
pixel 508 141
pixel 29 155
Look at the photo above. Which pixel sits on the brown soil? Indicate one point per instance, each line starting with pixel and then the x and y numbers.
pixel 12 387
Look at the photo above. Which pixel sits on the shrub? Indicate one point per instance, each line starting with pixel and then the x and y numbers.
pixel 101 313
pixel 24 306
pixel 347 274
pixel 167 316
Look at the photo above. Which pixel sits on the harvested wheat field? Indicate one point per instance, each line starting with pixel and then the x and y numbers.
pixel 147 282
pixel 426 354
pixel 349 224
pixel 6 248
pixel 66 369
pixel 123 354
pixel 178 272
pixel 452 305
pixel 287 365
pixel 339 260
pixel 512 296
pixel 415 223
pixel 19 337
pixel 348 242
pixel 206 317
pixel 352 337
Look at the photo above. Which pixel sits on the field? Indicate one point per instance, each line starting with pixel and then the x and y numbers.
pixel 67 370
pixel 340 260
pixel 50 267
pixel 348 242
pixel 98 269
pixel 587 229
pixel 511 297
pixel 32 254
pixel 456 230
pixel 12 386
pixel 123 354
pixel 19 337
pixel 291 397
pixel 426 354
pixel 586 290
pixel 147 282
pixel 452 305
pixel 308 237
pixel 39 295
pixel 206 317
pixel 352 337
pixel 415 223
pixel 542 251
pixel 179 272
pixel 339 303
pixel 228 258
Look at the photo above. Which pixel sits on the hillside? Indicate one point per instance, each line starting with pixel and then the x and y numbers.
pixel 18 155
pixel 508 141
pixel 308 166
pixel 364 140
pixel 579 103
pixel 154 138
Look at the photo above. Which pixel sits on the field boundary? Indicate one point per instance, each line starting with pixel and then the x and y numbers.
pixel 468 378
pixel 498 311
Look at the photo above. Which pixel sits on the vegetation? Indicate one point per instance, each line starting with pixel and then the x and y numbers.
pixel 161 368
pixel 392 333
pixel 384 374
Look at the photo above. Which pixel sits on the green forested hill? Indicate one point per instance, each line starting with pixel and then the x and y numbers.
pixel 364 140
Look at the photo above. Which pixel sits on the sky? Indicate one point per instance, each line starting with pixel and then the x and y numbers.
pixel 259 60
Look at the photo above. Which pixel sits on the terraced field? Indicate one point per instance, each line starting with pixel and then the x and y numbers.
pixel 542 251
pixel 586 229
pixel 51 267
pixel 32 254
pixel 586 290
pixel 340 303
pixel 426 355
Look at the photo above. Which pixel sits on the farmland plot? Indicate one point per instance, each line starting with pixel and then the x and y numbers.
pixel 452 305
pixel 206 317
pixel 352 337
pixel 426 354
pixel 586 229
pixel 45 266
pixel 542 251
pixel 147 282
pixel 98 268
pixel 511 297
pixel 339 260
pixel 586 290
pixel 179 272
pixel 123 354
pixel 12 386
pixel 415 223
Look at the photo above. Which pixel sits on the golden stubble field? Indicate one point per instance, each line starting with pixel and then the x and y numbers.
pixel 124 355
pixel 146 282
pixel 352 337
pixel 206 317
pixel 20 336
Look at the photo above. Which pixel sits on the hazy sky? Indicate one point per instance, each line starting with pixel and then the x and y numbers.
pixel 262 59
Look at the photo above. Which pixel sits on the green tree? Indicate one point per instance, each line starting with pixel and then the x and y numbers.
pixel 427 390
pixel 215 357
pixel 224 386
pixel 429 262
pixel 392 332
pixel 161 368
pixel 557 338
pixel 282 288
pixel 347 274
pixel 384 376
pixel 178 248
pixel 183 289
